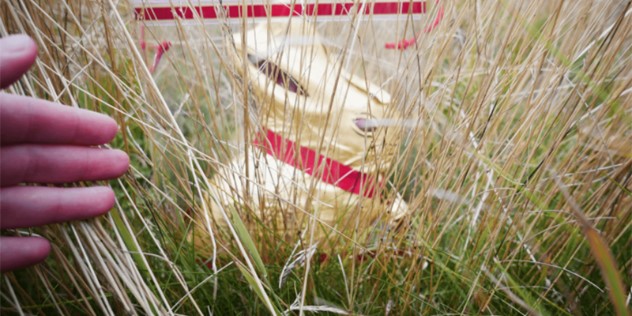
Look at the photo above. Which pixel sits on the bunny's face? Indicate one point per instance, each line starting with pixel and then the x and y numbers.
pixel 305 95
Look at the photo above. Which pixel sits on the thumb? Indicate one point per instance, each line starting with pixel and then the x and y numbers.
pixel 17 54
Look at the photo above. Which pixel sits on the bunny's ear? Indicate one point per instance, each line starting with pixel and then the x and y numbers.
pixel 374 91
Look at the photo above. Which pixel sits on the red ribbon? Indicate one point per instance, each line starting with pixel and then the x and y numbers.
pixel 311 162
pixel 278 10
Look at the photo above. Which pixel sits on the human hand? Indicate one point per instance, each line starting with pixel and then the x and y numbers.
pixel 46 143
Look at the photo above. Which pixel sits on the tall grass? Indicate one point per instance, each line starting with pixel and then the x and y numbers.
pixel 516 164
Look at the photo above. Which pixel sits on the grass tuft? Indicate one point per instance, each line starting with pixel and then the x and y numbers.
pixel 515 160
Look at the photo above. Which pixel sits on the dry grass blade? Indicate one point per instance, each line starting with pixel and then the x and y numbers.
pixel 601 253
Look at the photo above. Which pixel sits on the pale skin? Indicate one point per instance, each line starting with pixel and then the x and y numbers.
pixel 42 143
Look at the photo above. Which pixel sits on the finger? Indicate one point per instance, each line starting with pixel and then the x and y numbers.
pixel 30 120
pixel 59 164
pixel 19 252
pixel 17 54
pixel 26 206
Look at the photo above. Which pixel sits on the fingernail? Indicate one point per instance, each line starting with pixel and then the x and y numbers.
pixel 16 43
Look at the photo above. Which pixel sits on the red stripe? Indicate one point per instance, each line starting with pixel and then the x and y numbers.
pixel 311 162
pixel 277 10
